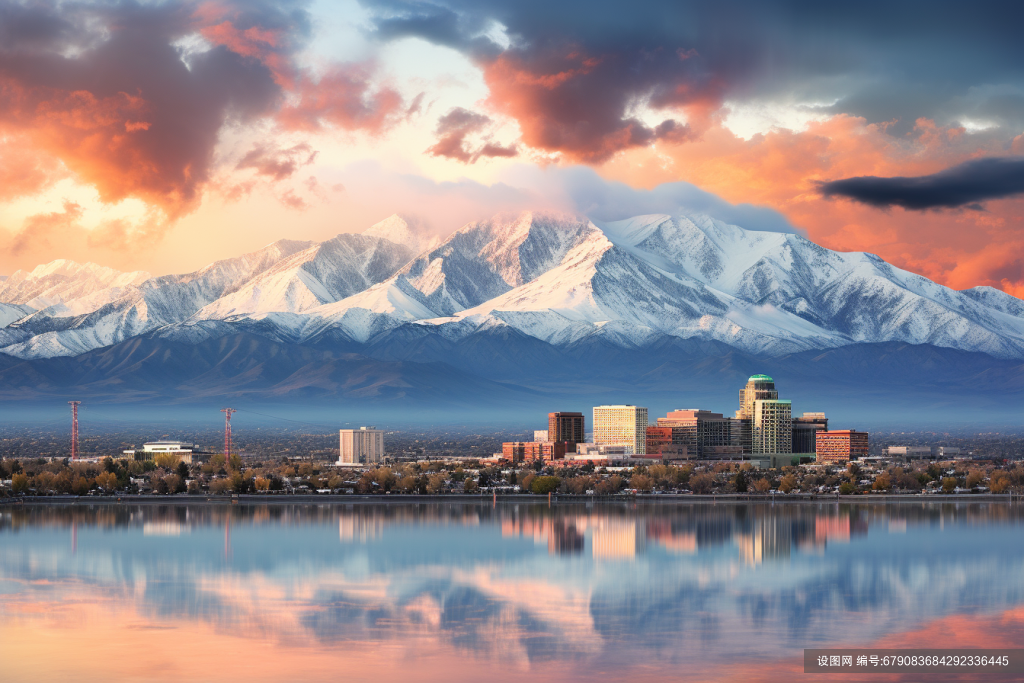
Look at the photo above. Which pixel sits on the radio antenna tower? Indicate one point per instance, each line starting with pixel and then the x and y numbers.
pixel 74 428
pixel 227 434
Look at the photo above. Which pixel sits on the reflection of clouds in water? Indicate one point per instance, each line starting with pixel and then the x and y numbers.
pixel 535 586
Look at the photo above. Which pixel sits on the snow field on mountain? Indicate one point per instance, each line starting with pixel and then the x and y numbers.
pixel 561 279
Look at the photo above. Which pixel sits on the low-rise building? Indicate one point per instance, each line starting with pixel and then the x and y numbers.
pixel 700 430
pixel 841 446
pixel 658 438
pixel 911 452
pixel 529 451
pixel 186 452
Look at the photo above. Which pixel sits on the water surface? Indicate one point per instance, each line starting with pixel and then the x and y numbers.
pixel 506 592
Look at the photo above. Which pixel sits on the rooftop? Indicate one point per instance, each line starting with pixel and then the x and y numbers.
pixel 760 378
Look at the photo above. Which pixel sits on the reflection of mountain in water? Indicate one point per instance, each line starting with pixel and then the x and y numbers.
pixel 530 583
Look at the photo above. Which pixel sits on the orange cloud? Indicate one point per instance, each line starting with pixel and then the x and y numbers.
pixel 59 234
pixel 111 101
pixel 781 169
pixel 47 230
pixel 342 97
pixel 24 170
pixel 275 163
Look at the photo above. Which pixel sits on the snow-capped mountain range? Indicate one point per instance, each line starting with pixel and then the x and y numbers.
pixel 560 279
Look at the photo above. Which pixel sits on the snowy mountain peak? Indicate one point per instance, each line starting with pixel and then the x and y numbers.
pixel 64 280
pixel 409 232
pixel 559 278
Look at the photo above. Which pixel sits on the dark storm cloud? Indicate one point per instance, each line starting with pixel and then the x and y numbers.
pixel 104 89
pixel 574 71
pixel 965 184
pixel 131 97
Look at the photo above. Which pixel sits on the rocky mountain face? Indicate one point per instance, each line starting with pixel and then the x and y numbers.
pixel 516 291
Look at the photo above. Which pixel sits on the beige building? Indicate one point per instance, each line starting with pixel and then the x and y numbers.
pixel 363 446
pixel 773 426
pixel 765 423
pixel 621 426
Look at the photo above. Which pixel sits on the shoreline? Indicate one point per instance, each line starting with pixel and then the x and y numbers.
pixel 349 499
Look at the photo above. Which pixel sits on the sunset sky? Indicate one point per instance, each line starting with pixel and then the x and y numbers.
pixel 161 136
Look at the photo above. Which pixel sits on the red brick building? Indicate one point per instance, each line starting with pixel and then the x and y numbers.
pixel 838 447
pixel 528 451
pixel 658 437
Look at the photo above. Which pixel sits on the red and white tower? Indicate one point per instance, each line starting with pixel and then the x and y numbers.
pixel 74 428
pixel 227 434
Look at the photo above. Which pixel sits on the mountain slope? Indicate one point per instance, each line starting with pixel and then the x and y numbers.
pixel 237 366
pixel 323 273
pixel 284 276
pixel 562 280
pixel 63 281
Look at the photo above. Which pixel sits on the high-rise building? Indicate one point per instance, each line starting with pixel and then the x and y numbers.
pixel 361 446
pixel 759 387
pixel 701 431
pixel 621 425
pixel 764 423
pixel 840 446
pixel 568 427
pixel 540 435
pixel 772 426
pixel 804 430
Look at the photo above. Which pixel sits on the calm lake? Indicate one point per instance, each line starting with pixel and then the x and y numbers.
pixel 506 592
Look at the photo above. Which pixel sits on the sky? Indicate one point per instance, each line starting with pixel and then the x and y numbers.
pixel 161 136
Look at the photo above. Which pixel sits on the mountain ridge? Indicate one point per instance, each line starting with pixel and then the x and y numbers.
pixel 557 278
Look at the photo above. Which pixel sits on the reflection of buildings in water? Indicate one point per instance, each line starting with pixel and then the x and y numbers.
pixel 613 539
pixel 359 528
pixel 827 528
pixel 564 539
pixel 537 529
pixel 713 531
pixel 563 536
pixel 660 532
pixel 163 528
pixel 898 526
pixel 772 537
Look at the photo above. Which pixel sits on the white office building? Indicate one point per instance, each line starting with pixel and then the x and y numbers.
pixel 622 425
pixel 363 446
pixel 184 451
pixel 910 452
